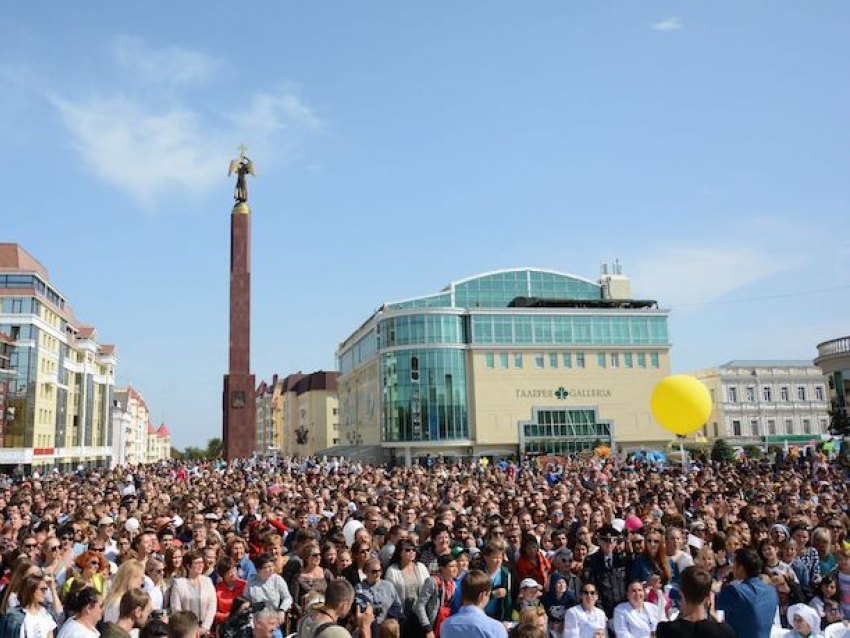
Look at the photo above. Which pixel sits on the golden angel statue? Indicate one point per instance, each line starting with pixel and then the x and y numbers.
pixel 242 166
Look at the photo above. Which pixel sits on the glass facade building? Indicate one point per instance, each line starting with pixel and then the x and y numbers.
pixel 437 366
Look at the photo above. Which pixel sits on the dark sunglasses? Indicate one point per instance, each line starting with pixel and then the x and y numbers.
pixel 588 592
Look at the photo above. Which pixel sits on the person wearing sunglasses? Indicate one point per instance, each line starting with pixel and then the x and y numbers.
pixel 90 566
pixel 30 617
pixel 378 592
pixel 408 576
pixel 313 578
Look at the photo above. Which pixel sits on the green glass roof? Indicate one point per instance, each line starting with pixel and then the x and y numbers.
pixel 497 289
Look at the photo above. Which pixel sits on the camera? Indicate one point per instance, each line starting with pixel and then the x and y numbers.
pixel 363 600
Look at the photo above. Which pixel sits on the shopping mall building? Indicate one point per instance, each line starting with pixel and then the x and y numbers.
pixel 519 360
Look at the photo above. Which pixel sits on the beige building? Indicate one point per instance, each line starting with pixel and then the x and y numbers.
pixel 269 407
pixel 58 404
pixel 525 359
pixel 299 414
pixel 766 402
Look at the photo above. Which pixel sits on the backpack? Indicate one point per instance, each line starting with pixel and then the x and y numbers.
pixel 447 594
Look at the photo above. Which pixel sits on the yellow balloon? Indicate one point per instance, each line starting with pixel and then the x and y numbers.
pixel 681 404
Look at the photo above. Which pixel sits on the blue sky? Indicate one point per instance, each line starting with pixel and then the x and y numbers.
pixel 403 145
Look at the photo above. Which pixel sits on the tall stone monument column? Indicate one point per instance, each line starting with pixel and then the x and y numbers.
pixel 238 402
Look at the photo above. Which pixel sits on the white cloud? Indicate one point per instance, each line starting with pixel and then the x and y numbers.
pixel 147 151
pixel 140 151
pixel 670 24
pixel 698 275
pixel 165 65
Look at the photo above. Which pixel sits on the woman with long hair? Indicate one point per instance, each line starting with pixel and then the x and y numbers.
pixel 195 592
pixel 52 563
pixel 652 568
pixel 329 558
pixel 21 568
pixel 130 575
pixel 31 617
pixel 313 577
pixel 826 589
pixel 155 570
pixel 361 551
pixel 174 564
pixel 408 576
pixel 86 606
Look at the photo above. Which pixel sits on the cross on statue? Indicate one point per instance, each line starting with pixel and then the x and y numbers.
pixel 242 166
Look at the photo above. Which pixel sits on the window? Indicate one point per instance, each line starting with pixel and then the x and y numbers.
pixel 553 360
pixel 819 393
pixel 754 427
pixel 824 425
pixel 736 427
pixel 771 427
pixel 615 359
pixel 490 358
pixel 767 393
pixel 784 394
pixel 627 359
pixel 579 359
pixel 801 393
pixel 539 361
pixel 641 360
pixel 600 358
pixel 653 359
pixel 517 360
pixel 789 426
pixel 503 360
pixel 716 431
pixel 807 426
pixel 568 360
pixel 751 394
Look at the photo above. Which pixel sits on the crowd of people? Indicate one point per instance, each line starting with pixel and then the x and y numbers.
pixel 564 548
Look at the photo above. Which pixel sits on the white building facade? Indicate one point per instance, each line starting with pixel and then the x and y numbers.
pixel 757 402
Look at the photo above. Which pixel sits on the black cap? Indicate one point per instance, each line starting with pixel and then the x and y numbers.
pixel 608 532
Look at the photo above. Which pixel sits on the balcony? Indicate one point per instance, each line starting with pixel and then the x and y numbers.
pixel 833 347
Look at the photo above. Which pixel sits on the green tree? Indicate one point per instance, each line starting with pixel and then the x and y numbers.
pixel 215 448
pixel 722 451
pixel 192 452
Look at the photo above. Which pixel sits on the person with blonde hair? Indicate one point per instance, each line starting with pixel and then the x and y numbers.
pixel 130 575
pixel 535 616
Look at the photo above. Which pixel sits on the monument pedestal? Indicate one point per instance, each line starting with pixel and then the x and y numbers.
pixel 239 416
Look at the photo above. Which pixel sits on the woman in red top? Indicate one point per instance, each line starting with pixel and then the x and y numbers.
pixel 532 563
pixel 229 587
